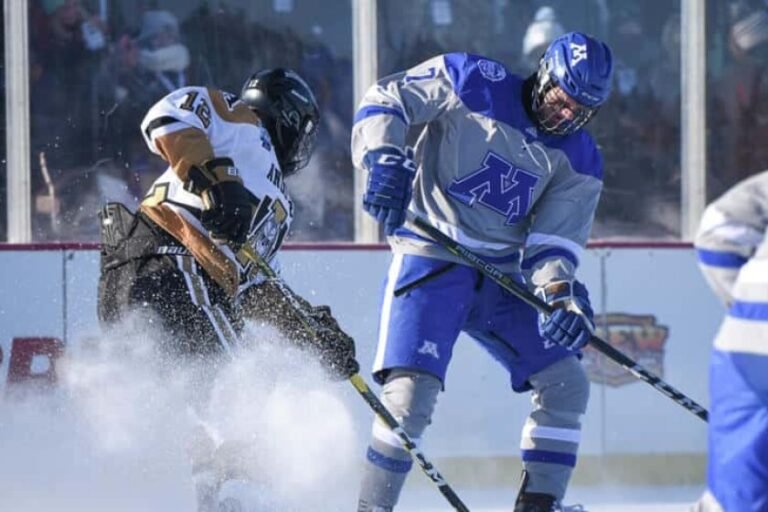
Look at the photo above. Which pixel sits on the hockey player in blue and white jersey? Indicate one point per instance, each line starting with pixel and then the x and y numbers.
pixel 502 165
pixel 733 255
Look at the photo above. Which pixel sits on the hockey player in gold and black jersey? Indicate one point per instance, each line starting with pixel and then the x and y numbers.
pixel 177 257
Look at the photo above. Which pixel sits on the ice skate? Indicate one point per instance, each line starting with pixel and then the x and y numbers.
pixel 536 502
pixel 364 506
pixel 540 502
pixel 244 496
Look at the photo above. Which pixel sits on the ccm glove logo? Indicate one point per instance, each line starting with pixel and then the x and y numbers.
pixel 393 160
pixel 390 177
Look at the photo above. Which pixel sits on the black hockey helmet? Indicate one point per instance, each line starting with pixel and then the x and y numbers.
pixel 289 111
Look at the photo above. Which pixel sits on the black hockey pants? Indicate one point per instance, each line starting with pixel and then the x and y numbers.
pixel 143 269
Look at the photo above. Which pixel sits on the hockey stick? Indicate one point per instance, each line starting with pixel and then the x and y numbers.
pixel 532 300
pixel 362 387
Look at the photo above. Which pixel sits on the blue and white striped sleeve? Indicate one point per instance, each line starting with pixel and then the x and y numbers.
pixel 730 231
pixel 563 215
pixel 398 101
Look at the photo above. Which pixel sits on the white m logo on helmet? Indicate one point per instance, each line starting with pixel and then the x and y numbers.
pixel 579 52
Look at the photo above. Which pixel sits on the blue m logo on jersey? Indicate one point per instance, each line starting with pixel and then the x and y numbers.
pixel 498 185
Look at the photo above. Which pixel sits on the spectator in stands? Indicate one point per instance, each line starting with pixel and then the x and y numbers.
pixel 544 29
pixel 140 70
pixel 330 215
pixel 639 130
pixel 66 46
pixel 741 100
pixel 163 58
pixel 220 46
pixel 662 133
pixel 664 77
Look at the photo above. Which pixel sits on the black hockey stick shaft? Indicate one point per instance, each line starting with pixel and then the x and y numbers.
pixel 363 389
pixel 532 300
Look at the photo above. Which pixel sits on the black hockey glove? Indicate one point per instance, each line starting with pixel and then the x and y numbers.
pixel 228 211
pixel 312 328
pixel 227 204
pixel 335 347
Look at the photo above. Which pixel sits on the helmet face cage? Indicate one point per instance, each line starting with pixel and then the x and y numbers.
pixel 303 146
pixel 549 113
pixel 574 79
pixel 290 114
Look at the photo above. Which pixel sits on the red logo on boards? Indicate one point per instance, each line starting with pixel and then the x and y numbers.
pixel 639 337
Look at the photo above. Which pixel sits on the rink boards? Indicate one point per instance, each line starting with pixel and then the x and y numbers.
pixel 651 302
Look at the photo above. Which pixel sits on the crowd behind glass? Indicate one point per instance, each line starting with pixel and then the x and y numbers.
pixel 96 67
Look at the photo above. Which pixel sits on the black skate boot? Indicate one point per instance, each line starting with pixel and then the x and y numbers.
pixel 364 506
pixel 536 502
pixel 540 502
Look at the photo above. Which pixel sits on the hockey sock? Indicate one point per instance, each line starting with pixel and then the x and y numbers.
pixel 411 399
pixel 551 435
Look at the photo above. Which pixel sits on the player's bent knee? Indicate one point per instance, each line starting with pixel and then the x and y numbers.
pixel 563 386
pixel 411 397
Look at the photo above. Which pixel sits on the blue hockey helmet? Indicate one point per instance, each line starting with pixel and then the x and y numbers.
pixel 579 66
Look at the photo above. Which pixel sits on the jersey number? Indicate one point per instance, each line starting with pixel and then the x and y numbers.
pixel 202 110
pixel 431 72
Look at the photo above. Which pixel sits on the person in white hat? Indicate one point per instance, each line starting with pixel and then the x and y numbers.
pixel 543 30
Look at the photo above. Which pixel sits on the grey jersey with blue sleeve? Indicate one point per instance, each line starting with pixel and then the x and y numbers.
pixel 731 232
pixel 486 176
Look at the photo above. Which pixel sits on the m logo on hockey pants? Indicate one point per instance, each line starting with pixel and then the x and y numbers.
pixel 429 347
pixel 498 185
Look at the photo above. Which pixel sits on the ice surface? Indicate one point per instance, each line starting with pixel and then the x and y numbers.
pixel 111 438
pixel 594 499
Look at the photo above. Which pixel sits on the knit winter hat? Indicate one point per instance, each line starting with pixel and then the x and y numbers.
pixel 156 22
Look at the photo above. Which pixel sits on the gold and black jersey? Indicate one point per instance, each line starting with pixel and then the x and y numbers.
pixel 190 126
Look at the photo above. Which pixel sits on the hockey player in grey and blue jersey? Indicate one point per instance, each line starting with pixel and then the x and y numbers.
pixel 733 255
pixel 503 166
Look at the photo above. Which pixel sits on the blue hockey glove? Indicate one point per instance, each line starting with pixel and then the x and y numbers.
pixel 571 324
pixel 390 183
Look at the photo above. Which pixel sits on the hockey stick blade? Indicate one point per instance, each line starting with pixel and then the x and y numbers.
pixel 532 300
pixel 364 390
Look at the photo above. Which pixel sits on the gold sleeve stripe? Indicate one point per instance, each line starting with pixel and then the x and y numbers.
pixel 222 269
pixel 184 148
pixel 156 195
pixel 239 113
pixel 280 213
